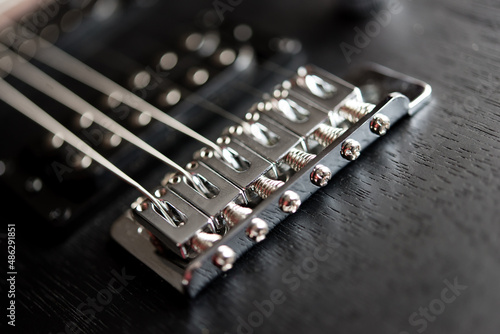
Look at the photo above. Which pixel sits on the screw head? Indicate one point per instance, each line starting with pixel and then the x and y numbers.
pixel 257 230
pixel 380 124
pixel 351 149
pixel 174 178
pixel 321 175
pixel 290 202
pixel 140 205
pixel 137 203
pixel 192 165
pixel 162 191
pixel 224 258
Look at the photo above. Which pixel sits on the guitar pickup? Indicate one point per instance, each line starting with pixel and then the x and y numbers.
pixel 291 143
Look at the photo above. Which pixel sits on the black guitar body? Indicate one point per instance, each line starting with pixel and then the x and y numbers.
pixel 406 240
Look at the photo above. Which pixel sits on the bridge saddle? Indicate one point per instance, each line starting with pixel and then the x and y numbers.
pixel 291 143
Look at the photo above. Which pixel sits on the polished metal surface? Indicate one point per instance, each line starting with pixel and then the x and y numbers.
pixel 266 137
pixel 219 191
pixel 234 213
pixel 290 202
pixel 255 167
pixel 326 134
pixel 272 174
pixel 380 124
pixel 321 175
pixel 350 149
pixel 224 258
pixel 354 110
pixel 298 159
pixel 306 86
pixel 265 186
pixel 188 220
pixel 257 230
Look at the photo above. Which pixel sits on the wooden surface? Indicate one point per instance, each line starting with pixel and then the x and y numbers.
pixel 418 211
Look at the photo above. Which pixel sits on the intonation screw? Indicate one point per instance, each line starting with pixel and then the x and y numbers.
pixel 297 159
pixel 224 258
pixel 321 175
pixel 203 241
pixel 265 186
pixel 234 213
pixel 326 135
pixel 354 110
pixel 257 230
pixel 350 150
pixel 290 202
pixel 380 124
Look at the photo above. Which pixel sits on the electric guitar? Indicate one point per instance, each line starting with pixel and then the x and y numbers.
pixel 158 157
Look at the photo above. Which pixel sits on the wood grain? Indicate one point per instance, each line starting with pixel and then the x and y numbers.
pixel 419 208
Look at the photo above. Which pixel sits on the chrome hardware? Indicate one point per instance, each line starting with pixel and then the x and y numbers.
pixel 326 135
pixel 257 230
pixel 243 177
pixel 297 159
pixel 291 110
pixel 304 123
pixel 297 115
pixel 380 124
pixel 325 94
pixel 264 186
pixel 265 137
pixel 321 175
pixel 188 222
pixel 234 213
pixel 290 202
pixel 354 110
pixel 350 150
pixel 315 84
pixel 216 191
pixel 203 241
pixel 224 258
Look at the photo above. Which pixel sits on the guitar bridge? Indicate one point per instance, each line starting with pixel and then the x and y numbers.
pixel 290 144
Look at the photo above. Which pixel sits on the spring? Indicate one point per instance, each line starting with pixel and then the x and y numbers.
pixel 234 213
pixel 264 186
pixel 297 159
pixel 203 241
pixel 326 135
pixel 354 110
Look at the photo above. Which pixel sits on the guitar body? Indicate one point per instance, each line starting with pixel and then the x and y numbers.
pixel 405 240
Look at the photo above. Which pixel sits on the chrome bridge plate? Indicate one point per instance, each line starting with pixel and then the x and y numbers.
pixel 293 167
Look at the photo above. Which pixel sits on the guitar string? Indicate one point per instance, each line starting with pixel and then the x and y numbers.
pixel 208 105
pixel 25 106
pixel 85 74
pixel 191 97
pixel 199 100
pixel 202 101
pixel 36 78
pixel 50 53
pixel 63 62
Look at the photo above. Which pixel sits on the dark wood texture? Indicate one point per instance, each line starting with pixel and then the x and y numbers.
pixel 420 208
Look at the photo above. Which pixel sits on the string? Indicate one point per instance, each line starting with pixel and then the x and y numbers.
pixel 21 103
pixel 36 78
pixel 61 61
